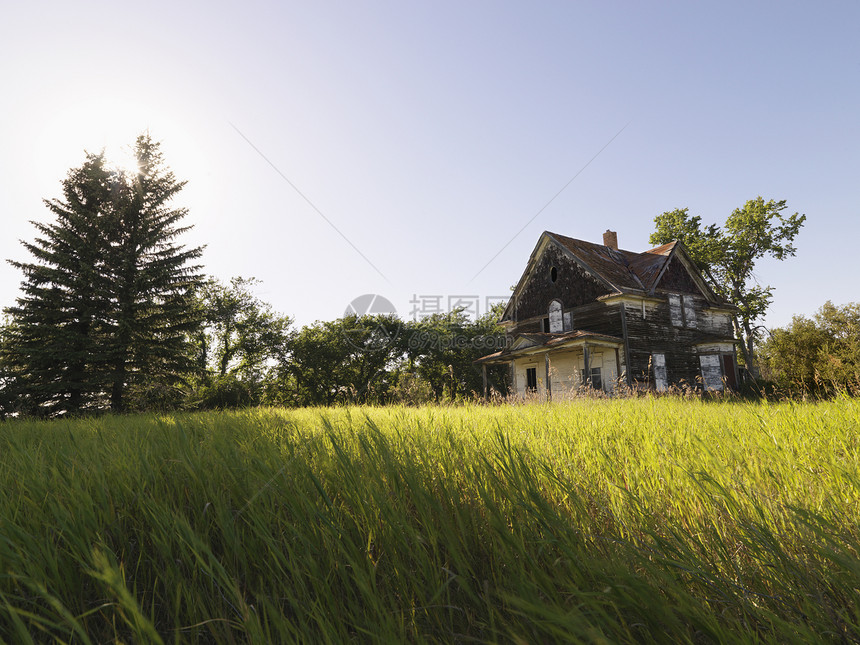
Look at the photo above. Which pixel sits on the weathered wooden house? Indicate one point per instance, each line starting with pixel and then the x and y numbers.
pixel 586 314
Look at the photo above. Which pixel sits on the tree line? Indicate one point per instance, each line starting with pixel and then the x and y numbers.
pixel 249 355
pixel 116 315
pixel 242 353
pixel 815 356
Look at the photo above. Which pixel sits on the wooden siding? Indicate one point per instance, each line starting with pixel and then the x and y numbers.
pixel 597 317
pixel 655 333
pixel 566 372
pixel 677 279
pixel 716 322
pixel 573 286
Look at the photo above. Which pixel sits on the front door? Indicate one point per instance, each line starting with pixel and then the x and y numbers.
pixel 729 371
pixel 531 379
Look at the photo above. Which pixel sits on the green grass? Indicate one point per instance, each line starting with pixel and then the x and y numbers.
pixel 646 520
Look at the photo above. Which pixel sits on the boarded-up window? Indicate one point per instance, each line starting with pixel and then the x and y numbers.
pixel 712 372
pixel 682 311
pixel 555 321
pixel 568 321
pixel 675 312
pixel 689 312
pixel 661 379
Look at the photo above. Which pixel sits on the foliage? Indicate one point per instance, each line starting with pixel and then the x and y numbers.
pixel 344 361
pixel 728 256
pixel 380 359
pixel 106 307
pixel 441 350
pixel 816 355
pixel 225 392
pixel 646 520
pixel 241 332
pixel 8 375
pixel 239 347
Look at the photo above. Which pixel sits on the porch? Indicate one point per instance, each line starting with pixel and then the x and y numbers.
pixel 559 366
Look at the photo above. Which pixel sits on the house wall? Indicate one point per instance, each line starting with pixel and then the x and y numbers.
pixel 520 366
pixel 597 317
pixel 566 371
pixel 660 331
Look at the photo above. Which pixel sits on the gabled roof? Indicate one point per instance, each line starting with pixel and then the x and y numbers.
pixel 648 265
pixel 607 263
pixel 625 272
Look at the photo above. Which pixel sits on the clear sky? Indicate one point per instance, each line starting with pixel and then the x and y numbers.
pixel 425 136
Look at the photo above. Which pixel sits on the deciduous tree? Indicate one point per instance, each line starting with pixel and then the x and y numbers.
pixel 242 332
pixel 346 360
pixel 817 354
pixel 241 345
pixel 728 256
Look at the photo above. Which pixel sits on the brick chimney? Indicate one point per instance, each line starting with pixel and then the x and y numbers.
pixel 610 239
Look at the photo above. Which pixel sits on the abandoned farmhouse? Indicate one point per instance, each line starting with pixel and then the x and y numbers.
pixel 585 314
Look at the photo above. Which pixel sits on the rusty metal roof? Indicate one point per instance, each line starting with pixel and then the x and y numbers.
pixel 626 271
pixel 649 264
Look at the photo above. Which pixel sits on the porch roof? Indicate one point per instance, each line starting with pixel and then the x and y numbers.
pixel 544 342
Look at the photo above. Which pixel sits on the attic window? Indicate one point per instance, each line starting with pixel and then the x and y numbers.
pixel 553 274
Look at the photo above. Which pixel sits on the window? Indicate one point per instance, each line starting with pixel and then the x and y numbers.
pixel 553 274
pixel 556 324
pixel 712 372
pixel 661 376
pixel 531 379
pixel 676 314
pixel 682 311
pixel 596 379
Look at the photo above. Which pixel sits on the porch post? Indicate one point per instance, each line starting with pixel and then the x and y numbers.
pixel 586 361
pixel 548 383
pixel 484 375
pixel 627 342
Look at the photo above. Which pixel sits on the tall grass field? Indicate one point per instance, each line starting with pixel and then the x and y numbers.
pixel 595 521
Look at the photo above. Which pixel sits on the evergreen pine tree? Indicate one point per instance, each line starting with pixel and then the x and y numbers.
pixel 49 344
pixel 107 304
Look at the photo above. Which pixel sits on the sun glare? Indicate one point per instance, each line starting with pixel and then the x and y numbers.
pixel 106 124
pixel 121 159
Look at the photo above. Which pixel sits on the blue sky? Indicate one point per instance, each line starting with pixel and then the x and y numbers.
pixel 429 134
